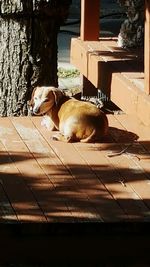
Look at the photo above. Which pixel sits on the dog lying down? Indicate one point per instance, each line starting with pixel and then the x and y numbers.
pixel 76 120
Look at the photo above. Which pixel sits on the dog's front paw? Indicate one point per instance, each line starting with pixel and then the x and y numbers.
pixel 43 122
pixel 60 137
pixel 56 137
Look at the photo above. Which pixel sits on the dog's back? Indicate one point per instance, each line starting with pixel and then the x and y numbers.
pixel 82 121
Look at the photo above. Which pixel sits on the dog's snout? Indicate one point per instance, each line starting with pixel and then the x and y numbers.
pixel 36 110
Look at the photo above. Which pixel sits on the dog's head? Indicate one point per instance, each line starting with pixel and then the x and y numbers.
pixel 43 99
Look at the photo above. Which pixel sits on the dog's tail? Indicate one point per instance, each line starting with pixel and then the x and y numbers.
pixel 90 138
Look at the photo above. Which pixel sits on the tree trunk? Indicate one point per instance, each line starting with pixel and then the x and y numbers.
pixel 28 49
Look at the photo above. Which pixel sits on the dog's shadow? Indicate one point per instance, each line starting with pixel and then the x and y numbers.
pixel 120 136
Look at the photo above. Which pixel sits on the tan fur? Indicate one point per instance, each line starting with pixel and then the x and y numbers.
pixel 76 120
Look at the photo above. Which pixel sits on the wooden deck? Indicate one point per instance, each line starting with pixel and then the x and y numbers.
pixel 43 180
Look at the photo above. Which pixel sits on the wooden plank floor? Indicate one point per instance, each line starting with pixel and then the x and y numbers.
pixel 42 180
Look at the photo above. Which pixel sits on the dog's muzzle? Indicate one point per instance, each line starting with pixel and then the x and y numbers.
pixel 33 110
pixel 36 110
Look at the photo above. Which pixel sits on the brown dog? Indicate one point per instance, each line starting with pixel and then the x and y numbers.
pixel 76 120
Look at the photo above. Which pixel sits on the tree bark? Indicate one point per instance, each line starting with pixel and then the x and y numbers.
pixel 28 49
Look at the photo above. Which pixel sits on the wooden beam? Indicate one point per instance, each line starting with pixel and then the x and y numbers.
pixel 89 31
pixel 89 20
pixel 147 47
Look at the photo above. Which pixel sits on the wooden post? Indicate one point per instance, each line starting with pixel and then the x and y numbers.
pixel 89 20
pixel 147 47
pixel 89 31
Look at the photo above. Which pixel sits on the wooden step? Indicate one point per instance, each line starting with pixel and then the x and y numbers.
pixel 118 73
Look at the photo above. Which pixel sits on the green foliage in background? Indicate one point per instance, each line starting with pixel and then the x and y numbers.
pixel 67 73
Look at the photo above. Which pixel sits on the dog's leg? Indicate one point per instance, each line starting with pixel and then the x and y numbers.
pixel 60 137
pixel 89 139
pixel 48 123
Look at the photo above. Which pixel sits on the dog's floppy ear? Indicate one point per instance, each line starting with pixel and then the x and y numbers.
pixel 31 101
pixel 57 95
